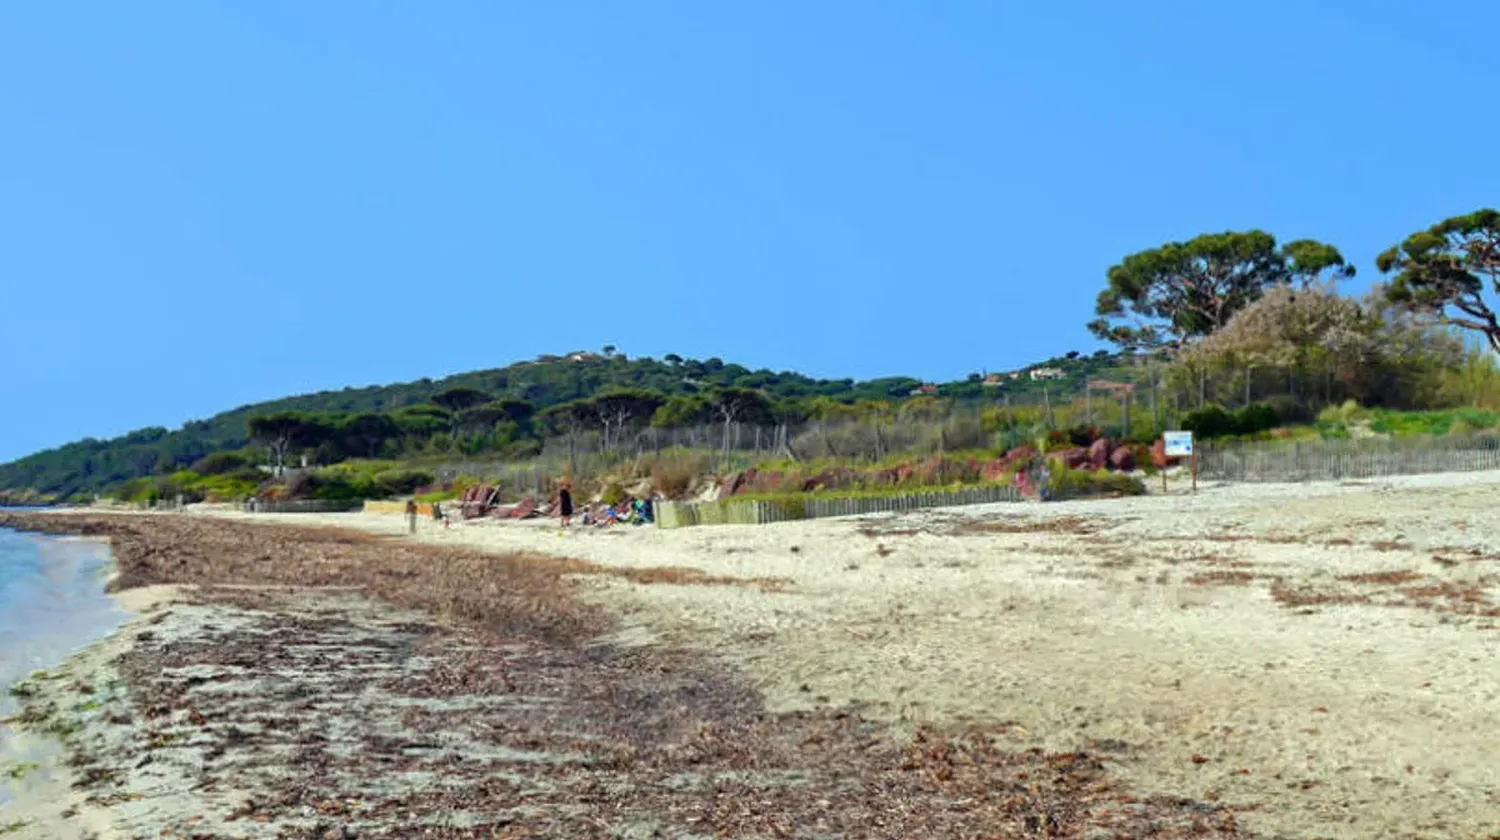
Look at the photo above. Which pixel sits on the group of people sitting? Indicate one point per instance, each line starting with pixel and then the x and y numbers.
pixel 629 511
pixel 632 510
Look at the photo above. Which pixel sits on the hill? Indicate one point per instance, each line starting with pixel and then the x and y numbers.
pixel 91 465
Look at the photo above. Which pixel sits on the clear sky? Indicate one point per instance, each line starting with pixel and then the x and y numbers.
pixel 205 204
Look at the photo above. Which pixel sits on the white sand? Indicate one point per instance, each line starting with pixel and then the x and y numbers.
pixel 49 807
pixel 1353 720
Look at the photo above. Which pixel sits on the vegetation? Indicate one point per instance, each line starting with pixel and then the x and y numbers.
pixel 1181 291
pixel 1227 334
pixel 1445 271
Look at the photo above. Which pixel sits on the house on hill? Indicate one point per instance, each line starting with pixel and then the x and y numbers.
pixel 1047 373
pixel 926 388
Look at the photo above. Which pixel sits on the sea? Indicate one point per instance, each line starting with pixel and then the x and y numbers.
pixel 52 604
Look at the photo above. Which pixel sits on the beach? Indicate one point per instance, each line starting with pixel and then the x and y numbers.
pixel 310 682
pixel 1276 660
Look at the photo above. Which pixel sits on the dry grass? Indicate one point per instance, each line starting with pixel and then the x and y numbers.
pixel 1221 577
pixel 1309 596
pixel 1391 578
pixel 1391 545
pixel 1055 525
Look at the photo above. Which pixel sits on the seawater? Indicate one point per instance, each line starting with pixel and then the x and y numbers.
pixel 52 603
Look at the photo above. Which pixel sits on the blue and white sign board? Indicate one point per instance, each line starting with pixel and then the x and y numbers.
pixel 1177 444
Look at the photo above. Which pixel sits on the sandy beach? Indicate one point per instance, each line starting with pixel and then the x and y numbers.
pixel 306 682
pixel 1282 661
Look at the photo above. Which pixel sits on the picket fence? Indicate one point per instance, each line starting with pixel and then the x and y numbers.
pixel 762 512
pixel 1328 460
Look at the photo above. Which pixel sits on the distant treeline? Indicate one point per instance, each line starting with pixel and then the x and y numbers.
pixel 443 415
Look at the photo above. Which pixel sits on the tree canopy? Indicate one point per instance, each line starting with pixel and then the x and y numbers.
pixel 1181 291
pixel 1445 272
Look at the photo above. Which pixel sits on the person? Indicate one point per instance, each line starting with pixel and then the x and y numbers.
pixel 411 516
pixel 565 504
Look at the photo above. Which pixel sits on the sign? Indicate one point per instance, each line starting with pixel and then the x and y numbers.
pixel 1177 444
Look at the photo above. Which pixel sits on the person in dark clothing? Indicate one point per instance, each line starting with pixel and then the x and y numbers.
pixel 565 504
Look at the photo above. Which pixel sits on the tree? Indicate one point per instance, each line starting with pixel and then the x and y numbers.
pixel 1371 351
pixel 482 418
pixel 609 349
pixel 738 405
pixel 682 411
pixel 279 432
pixel 366 432
pixel 421 421
pixel 1182 291
pixel 672 359
pixel 455 400
pixel 567 420
pixel 1441 273
pixel 618 408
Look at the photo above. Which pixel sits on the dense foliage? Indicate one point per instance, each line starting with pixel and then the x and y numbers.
pixel 503 411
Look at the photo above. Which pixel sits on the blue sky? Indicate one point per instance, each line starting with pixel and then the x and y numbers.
pixel 206 204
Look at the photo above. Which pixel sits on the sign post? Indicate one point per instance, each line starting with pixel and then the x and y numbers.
pixel 1180 445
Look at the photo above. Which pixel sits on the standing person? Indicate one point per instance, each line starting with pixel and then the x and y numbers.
pixel 411 516
pixel 565 504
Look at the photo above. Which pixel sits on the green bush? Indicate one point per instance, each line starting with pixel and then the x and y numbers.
pixel 338 483
pixel 1076 484
pixel 219 463
pixel 399 482
pixel 1210 421
pixel 1214 421
pixel 1256 418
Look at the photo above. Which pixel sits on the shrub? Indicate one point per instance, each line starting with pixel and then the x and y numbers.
pixel 337 483
pixel 1339 414
pixel 1208 422
pixel 1083 436
pixel 1256 418
pixel 400 482
pixel 1075 484
pixel 673 477
pixel 219 463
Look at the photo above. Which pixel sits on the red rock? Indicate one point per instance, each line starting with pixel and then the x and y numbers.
pixel 1025 450
pixel 1122 459
pixel 740 482
pixel 1073 459
pixel 829 479
pixel 1099 452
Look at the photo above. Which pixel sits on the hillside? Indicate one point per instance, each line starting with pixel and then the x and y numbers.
pixel 91 465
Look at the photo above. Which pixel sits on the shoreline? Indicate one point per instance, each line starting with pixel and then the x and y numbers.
pixel 40 782
pixel 76 690
pixel 424 697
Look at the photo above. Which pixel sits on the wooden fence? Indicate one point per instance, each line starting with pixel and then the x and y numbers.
pixel 1314 460
pixel 759 512
pixel 304 506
